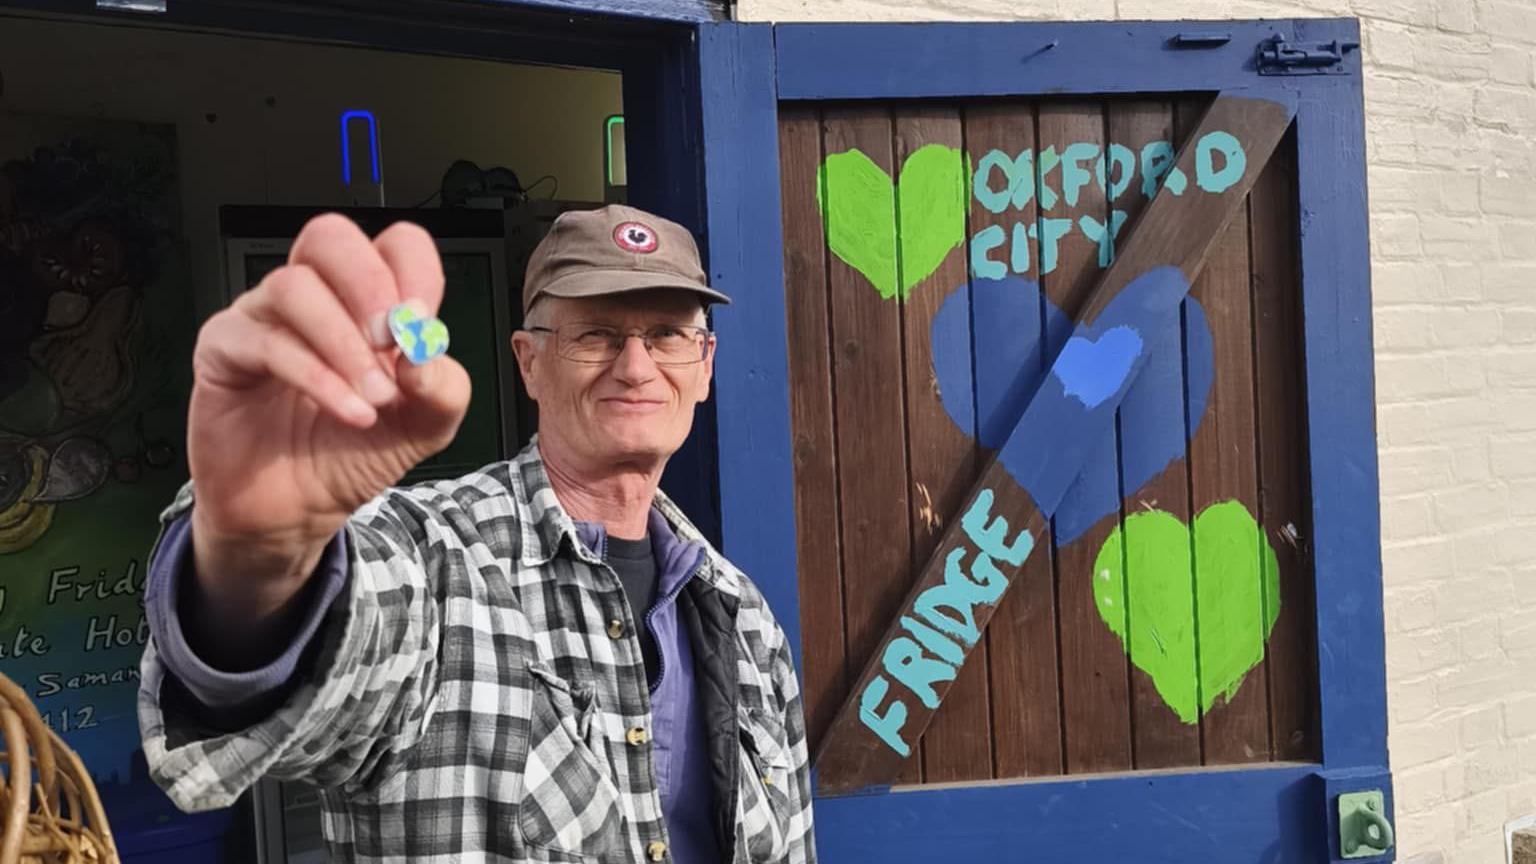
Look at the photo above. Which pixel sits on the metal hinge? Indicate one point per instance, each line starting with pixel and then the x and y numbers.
pixel 1276 56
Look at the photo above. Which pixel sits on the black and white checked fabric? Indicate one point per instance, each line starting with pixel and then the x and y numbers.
pixel 465 703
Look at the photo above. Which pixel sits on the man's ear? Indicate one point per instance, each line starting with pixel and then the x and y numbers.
pixel 707 374
pixel 527 352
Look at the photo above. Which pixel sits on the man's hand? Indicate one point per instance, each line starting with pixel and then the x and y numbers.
pixel 302 410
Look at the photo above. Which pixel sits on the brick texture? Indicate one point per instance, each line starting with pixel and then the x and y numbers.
pixel 1450 93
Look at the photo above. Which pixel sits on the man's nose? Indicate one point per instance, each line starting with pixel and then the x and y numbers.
pixel 634 364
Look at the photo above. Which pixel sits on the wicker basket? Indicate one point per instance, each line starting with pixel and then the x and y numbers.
pixel 51 810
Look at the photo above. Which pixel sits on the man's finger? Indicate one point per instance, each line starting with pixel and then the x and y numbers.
pixel 237 350
pixel 412 254
pixel 346 260
pixel 299 301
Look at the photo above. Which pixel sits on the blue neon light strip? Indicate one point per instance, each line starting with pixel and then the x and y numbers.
pixel 346 150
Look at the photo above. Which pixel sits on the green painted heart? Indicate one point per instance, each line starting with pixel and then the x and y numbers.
pixel 860 208
pixel 1196 627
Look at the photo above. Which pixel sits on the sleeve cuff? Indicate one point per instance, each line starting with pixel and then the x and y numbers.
pixel 232 697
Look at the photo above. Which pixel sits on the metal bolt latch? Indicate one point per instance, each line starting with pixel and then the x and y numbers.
pixel 1276 56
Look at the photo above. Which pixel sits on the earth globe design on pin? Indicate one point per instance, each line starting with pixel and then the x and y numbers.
pixel 420 339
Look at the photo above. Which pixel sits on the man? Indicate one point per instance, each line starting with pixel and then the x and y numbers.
pixel 540 660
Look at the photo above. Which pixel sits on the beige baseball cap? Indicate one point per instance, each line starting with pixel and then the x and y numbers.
pixel 613 250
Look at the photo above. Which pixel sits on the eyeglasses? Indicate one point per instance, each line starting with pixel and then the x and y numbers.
pixel 668 344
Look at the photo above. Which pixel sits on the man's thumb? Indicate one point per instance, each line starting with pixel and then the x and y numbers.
pixel 436 395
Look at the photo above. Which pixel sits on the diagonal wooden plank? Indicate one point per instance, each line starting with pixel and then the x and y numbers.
pixel 1005 515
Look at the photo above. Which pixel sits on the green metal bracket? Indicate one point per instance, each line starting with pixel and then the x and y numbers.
pixel 1364 830
pixel 608 139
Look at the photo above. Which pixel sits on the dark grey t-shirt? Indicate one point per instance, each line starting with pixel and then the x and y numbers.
pixel 635 564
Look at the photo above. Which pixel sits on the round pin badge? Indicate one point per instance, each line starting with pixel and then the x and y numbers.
pixel 635 237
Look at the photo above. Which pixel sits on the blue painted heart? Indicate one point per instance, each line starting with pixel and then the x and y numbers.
pixel 1092 370
pixel 1008 326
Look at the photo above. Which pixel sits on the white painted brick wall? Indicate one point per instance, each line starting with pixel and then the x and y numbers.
pixel 1450 94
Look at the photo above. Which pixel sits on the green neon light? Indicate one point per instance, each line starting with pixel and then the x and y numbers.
pixel 613 120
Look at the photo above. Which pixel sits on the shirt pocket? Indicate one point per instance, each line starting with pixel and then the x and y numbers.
pixel 764 804
pixel 570 803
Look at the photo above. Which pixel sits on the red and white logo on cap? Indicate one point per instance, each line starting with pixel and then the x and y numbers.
pixel 636 237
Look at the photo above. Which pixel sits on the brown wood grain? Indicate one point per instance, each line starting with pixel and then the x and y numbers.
pixel 1161 739
pixel 1021 641
pixel 1223 466
pixel 1095 694
pixel 824 677
pixel 943 465
pixel 851 757
pixel 1284 494
pixel 870 408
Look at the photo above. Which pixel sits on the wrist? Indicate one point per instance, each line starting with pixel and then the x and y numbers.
pixel 256 574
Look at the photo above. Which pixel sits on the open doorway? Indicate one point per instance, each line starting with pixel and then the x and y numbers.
pixel 148 175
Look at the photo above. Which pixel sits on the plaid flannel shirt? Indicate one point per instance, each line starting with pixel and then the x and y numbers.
pixel 463 701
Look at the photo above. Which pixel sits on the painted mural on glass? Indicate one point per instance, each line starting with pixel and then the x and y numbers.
pixel 93 368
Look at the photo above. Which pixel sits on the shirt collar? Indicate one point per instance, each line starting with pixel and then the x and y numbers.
pixel 545 523
pixel 675 557
pixel 551 527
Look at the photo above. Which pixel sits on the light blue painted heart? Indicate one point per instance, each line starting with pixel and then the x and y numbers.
pixel 1093 370
pixel 1008 325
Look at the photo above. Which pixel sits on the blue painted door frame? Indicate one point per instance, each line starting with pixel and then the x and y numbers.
pixel 1264 814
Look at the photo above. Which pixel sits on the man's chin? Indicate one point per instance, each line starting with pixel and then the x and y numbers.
pixel 638 447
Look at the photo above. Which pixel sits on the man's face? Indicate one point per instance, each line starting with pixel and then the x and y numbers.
pixel 631 410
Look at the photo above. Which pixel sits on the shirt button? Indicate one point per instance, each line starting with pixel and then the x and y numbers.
pixel 615 628
pixel 657 850
pixel 635 736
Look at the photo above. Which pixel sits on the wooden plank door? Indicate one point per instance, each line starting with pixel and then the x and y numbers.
pixel 886 393
pixel 948 224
